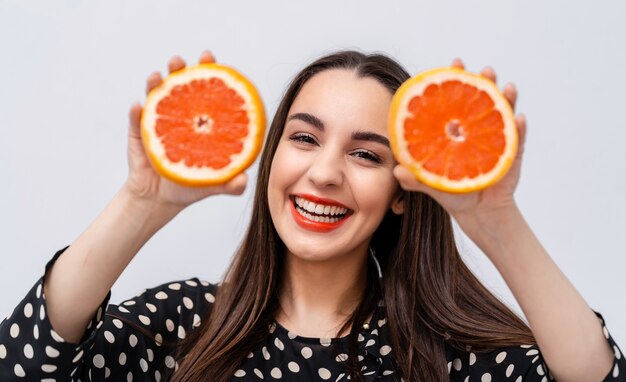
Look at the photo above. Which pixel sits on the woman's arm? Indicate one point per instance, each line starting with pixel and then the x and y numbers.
pixel 567 331
pixel 81 278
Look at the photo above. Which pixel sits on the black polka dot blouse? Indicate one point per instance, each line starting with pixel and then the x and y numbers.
pixel 111 349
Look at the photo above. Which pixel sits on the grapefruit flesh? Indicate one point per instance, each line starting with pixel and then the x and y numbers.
pixel 453 129
pixel 203 125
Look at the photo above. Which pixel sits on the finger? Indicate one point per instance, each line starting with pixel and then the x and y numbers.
pixel 237 185
pixel 206 57
pixel 510 93
pixel 153 81
pixel 458 63
pixel 175 64
pixel 134 119
pixel 407 179
pixel 489 73
pixel 520 121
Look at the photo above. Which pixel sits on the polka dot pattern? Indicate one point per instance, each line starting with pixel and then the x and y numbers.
pixel 113 349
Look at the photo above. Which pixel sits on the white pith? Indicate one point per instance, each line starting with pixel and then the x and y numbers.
pixel 201 173
pixel 501 105
pixel 319 212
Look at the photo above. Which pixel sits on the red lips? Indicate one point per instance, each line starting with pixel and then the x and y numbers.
pixel 313 225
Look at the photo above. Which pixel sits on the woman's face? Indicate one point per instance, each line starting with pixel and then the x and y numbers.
pixel 331 180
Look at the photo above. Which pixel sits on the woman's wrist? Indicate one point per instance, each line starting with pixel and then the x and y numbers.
pixel 146 209
pixel 494 230
pixel 143 216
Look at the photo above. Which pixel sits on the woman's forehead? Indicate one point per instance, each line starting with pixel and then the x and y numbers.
pixel 340 97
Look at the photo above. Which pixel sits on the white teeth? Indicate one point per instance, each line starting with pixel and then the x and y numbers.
pixel 310 206
pixel 319 209
pixel 320 219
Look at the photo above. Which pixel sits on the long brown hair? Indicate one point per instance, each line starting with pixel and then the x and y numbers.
pixel 431 298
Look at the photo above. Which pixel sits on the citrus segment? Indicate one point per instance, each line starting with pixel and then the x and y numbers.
pixel 203 125
pixel 453 129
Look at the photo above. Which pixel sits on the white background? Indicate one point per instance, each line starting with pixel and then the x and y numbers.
pixel 70 69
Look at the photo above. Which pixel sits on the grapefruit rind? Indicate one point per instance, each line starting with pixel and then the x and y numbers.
pixel 204 176
pixel 399 112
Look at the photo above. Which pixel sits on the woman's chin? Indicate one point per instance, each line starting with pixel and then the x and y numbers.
pixel 320 252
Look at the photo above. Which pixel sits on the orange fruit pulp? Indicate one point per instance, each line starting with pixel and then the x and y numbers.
pixel 203 125
pixel 453 129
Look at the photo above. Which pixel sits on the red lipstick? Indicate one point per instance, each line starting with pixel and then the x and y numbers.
pixel 313 225
pixel 318 200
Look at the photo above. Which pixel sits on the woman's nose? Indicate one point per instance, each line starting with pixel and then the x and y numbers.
pixel 326 169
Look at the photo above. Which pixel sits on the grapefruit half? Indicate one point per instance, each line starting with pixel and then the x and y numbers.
pixel 203 125
pixel 453 129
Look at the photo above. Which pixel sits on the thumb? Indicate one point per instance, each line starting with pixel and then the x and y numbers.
pixel 237 185
pixel 408 181
pixel 134 120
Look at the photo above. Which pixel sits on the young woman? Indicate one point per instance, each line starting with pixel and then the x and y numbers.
pixel 379 292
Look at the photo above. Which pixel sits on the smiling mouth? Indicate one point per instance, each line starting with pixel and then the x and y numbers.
pixel 318 216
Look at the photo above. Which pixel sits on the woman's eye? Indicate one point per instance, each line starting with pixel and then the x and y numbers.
pixel 368 156
pixel 304 138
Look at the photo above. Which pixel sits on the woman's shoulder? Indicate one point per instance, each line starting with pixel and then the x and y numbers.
pixel 511 362
pixel 178 292
pixel 128 338
pixel 516 362
pixel 173 307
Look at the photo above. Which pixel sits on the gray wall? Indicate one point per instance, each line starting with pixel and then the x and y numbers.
pixel 70 69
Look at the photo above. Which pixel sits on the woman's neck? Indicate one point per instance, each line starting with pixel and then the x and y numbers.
pixel 318 296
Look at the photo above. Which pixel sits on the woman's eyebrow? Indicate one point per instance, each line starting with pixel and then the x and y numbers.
pixel 357 135
pixel 371 137
pixel 308 118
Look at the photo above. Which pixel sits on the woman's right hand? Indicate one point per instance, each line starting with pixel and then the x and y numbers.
pixel 144 182
pixel 81 278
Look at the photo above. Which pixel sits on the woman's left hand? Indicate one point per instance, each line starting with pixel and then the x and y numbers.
pixel 555 311
pixel 486 201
